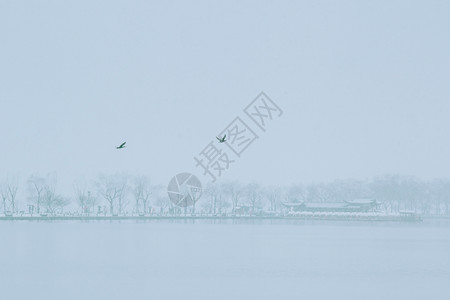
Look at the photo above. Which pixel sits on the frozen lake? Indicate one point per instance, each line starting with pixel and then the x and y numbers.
pixel 222 260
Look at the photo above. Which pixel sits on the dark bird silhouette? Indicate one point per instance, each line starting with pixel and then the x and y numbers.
pixel 121 146
pixel 222 140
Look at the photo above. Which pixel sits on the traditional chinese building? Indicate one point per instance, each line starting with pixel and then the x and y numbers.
pixel 357 205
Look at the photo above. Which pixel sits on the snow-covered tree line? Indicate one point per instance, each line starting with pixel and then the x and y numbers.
pixel 120 194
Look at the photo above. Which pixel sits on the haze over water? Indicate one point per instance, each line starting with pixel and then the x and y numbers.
pixel 221 260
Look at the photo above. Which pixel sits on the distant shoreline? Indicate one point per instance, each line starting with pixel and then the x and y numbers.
pixel 327 217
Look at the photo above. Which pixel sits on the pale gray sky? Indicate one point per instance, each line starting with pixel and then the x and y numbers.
pixel 364 86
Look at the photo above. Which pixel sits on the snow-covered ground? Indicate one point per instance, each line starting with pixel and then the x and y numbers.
pixel 208 259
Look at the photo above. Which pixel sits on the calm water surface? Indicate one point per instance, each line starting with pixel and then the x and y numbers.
pixel 224 260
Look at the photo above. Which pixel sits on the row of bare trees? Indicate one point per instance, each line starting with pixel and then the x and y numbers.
pixel 116 193
pixel 42 191
pixel 120 194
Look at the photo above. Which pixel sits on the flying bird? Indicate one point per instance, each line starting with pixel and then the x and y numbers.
pixel 121 146
pixel 222 140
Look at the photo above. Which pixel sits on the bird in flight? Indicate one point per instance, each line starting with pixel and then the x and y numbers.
pixel 222 140
pixel 121 146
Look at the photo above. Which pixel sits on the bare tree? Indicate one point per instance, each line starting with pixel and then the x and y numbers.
pixel 4 193
pixel 234 191
pixel 163 202
pixel 349 189
pixel 253 195
pixel 11 186
pixel 161 199
pixel 296 193
pixel 223 205
pixel 321 192
pixel 142 192
pixel 439 191
pixel 274 196
pixel 81 196
pixel 52 201
pixel 36 187
pixel 123 200
pixel 112 189
pixel 214 192
pixel 85 199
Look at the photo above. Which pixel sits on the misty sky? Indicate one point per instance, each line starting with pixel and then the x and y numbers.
pixel 364 87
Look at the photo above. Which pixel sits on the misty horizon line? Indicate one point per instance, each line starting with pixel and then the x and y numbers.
pixel 54 176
